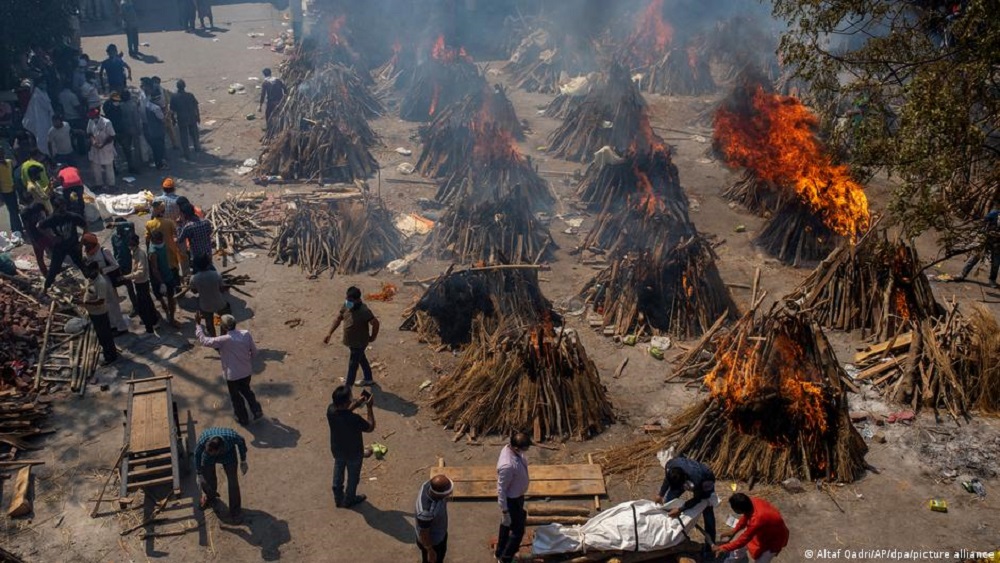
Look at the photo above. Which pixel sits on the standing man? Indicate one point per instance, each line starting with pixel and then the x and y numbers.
pixel 94 253
pixel 155 132
pixel 114 71
pixel 432 518
pixel 91 97
pixel 63 224
pixel 8 193
pixel 121 248
pixel 130 21
pixel 195 233
pixel 169 198
pixel 512 484
pixel 185 108
pixel 161 97
pixel 990 246
pixel 764 531
pixel 237 351
pixel 94 301
pixel 102 149
pixel 205 11
pixel 69 180
pixel 139 278
pixel 356 317
pixel 163 278
pixel 272 91
pixel 71 108
pixel 61 141
pixel 687 474
pixel 207 283
pixel 220 446
pixel 347 444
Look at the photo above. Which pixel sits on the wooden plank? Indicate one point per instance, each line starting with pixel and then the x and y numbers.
pixel 488 489
pixel 150 390
pixel 154 470
pixel 536 472
pixel 878 368
pixel 148 379
pixel 152 483
pixel 149 459
pixel 20 504
pixel 150 426
pixel 172 433
pixel 899 341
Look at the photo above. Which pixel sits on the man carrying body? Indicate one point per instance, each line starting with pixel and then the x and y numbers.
pixel 512 484
pixel 347 444
pixel 764 531
pixel 683 474
pixel 220 446
pixel 237 351
pixel 356 317
pixel 432 518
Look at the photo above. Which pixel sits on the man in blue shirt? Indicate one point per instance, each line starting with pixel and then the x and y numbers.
pixel 113 71
pixel 221 446
pixel 683 474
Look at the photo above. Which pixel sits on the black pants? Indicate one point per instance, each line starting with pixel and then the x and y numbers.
pixel 102 329
pixel 159 147
pixel 211 488
pixel 59 254
pixel 74 199
pixel 143 304
pixel 509 538
pixel 994 254
pixel 10 201
pixel 358 358
pixel 132 37
pixel 352 468
pixel 440 549
pixel 210 316
pixel 708 514
pixel 239 391
pixel 189 131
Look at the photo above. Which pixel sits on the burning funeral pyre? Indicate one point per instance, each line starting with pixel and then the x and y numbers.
pixel 876 286
pixel 774 138
pixel 449 140
pixel 501 230
pixel 346 236
pixel 740 44
pixel 609 115
pixel 666 67
pixel 320 131
pixel 545 57
pixel 776 409
pixel 445 313
pixel 520 377
pixel 443 79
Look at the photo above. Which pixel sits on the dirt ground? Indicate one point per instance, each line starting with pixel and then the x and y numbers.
pixel 287 498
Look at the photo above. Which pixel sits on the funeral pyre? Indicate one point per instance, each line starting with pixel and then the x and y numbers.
pixel 546 56
pixel 777 408
pixel 453 302
pixel 336 235
pixel 444 78
pixel 523 377
pixel 320 131
pixel 774 138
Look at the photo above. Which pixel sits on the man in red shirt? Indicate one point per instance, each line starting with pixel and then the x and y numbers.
pixel 69 180
pixel 764 531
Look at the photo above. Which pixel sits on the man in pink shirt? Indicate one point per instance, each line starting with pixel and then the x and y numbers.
pixel 237 351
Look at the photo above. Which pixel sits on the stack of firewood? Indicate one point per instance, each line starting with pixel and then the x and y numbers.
pixel 681 71
pixel 494 231
pixel 368 237
pixel 670 290
pixel 320 131
pixel 545 57
pixel 22 417
pixel 777 408
pixel 796 234
pixel 527 378
pixel 445 313
pixel 449 140
pixel 612 114
pixel 23 323
pixel 492 174
pixel 754 193
pixel 632 177
pixel 310 237
pixel 238 224
pixel 443 79
pixel 740 43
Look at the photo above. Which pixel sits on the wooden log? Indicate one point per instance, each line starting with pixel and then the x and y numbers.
pixel 564 520
pixel 553 509
pixel 20 503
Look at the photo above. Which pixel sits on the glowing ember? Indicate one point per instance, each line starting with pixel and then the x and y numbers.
pixel 777 142
pixel 441 52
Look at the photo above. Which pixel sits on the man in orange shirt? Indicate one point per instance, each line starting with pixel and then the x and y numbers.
pixel 764 531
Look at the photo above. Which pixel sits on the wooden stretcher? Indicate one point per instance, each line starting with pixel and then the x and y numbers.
pixel 154 450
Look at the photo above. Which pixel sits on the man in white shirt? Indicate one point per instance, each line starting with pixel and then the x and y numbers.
pixel 61 141
pixel 72 112
pixel 89 91
pixel 102 149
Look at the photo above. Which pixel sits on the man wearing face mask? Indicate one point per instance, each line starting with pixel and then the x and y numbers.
pixel 356 317
pixel 102 149
pixel 432 518
pixel 512 484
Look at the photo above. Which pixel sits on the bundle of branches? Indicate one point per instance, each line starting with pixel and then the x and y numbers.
pixel 544 58
pixel 670 290
pixel 445 78
pixel 682 71
pixel 446 311
pixel 931 365
pixel 777 409
pixel 368 236
pixel 22 324
pixel 449 140
pixel 493 171
pixel 561 105
pixel 754 193
pixel 612 114
pixel 491 231
pixel 877 286
pixel 236 225
pixel 612 181
pixel 395 72
pixel 310 237
pixel 983 362
pixel 320 131
pixel 22 416
pixel 796 234
pixel 516 378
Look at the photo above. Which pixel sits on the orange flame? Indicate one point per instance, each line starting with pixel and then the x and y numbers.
pixel 335 27
pixel 902 308
pixel 441 52
pixel 652 35
pixel 434 99
pixel 777 142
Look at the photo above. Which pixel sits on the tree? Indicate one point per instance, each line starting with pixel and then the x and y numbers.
pixel 27 24
pixel 912 87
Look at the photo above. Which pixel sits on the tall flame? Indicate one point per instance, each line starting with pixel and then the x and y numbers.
pixel 652 35
pixel 777 142
pixel 442 52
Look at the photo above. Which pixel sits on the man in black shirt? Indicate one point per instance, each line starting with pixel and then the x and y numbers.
pixel 64 225
pixel 184 106
pixel 346 443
